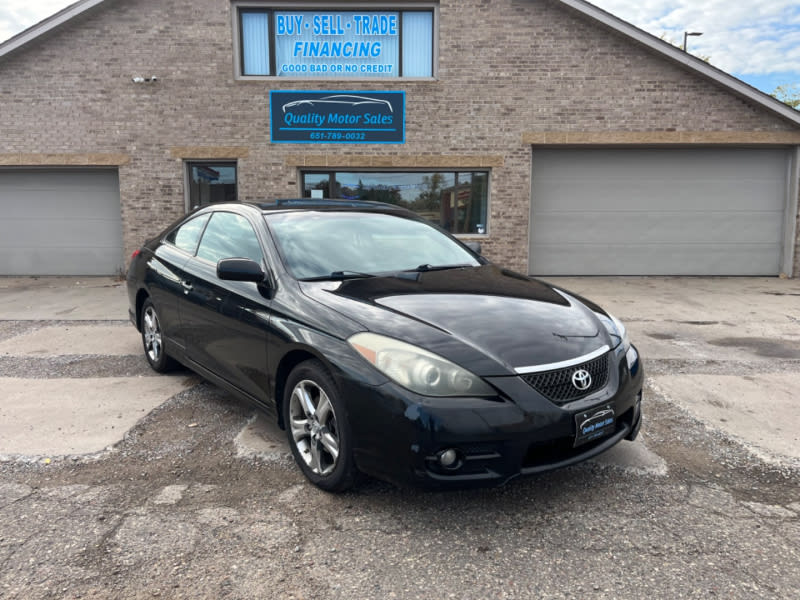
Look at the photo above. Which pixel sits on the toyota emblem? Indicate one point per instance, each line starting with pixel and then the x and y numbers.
pixel 581 379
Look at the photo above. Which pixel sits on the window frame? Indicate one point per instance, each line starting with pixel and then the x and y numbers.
pixel 239 6
pixel 332 172
pixel 254 229
pixel 188 163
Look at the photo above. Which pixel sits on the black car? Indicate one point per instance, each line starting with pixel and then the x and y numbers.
pixel 383 345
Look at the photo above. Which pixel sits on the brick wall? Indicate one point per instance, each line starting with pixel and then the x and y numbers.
pixel 506 67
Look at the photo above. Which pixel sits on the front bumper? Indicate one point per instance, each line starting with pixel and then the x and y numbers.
pixel 400 436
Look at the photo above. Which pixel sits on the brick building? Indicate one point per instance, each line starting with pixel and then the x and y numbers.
pixel 563 139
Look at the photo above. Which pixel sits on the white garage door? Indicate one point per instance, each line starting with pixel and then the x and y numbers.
pixel 60 222
pixel 658 211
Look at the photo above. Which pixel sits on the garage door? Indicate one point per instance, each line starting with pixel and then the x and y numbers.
pixel 60 222
pixel 658 211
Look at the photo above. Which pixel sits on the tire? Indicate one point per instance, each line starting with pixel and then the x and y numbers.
pixel 317 427
pixel 152 339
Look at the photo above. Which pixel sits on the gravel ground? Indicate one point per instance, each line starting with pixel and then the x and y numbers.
pixel 75 366
pixel 10 329
pixel 172 511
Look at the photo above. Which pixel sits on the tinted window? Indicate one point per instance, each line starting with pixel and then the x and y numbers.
pixel 457 201
pixel 318 244
pixel 229 235
pixel 211 182
pixel 187 235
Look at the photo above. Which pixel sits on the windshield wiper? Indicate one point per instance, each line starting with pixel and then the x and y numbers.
pixel 339 275
pixel 336 275
pixel 426 267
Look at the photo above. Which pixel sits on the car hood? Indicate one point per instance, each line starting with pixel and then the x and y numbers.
pixel 487 319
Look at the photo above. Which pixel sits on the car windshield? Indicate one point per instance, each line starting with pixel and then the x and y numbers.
pixel 331 245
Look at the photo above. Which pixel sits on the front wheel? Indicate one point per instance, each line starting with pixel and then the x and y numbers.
pixel 317 427
pixel 152 339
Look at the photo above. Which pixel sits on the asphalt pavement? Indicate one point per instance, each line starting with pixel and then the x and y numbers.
pixel 118 482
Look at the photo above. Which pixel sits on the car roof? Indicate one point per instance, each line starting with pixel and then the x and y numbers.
pixel 322 203
pixel 299 205
pixel 326 204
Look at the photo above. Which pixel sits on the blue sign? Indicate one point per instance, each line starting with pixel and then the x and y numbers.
pixel 339 44
pixel 337 117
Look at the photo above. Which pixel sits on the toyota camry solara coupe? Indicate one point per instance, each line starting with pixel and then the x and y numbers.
pixel 383 345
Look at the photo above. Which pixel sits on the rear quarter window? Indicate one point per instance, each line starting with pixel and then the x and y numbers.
pixel 187 236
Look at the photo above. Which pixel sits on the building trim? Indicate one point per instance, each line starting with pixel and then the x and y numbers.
pixel 686 60
pixel 48 24
pixel 639 138
pixel 790 218
pixel 209 152
pixel 64 160
pixel 414 161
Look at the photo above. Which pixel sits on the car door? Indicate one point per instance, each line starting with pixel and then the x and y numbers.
pixel 226 322
pixel 165 274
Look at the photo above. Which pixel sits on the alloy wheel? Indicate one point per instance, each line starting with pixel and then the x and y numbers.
pixel 151 332
pixel 313 427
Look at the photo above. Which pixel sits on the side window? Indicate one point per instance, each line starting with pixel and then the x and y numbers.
pixel 187 235
pixel 229 235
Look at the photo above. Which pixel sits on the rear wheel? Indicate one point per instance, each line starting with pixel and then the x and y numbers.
pixel 152 339
pixel 317 427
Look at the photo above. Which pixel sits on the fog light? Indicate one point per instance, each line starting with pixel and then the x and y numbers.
pixel 448 458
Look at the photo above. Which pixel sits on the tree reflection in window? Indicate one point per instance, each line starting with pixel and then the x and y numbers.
pixel 455 200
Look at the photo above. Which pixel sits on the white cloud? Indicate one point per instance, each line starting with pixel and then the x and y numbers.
pixel 17 15
pixel 745 36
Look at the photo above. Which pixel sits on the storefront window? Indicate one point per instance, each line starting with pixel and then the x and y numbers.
pixel 211 182
pixel 455 200
pixel 337 44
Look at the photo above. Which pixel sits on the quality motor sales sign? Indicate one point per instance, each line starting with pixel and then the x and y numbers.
pixel 363 117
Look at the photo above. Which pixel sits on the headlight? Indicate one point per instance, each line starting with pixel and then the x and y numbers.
pixel 416 369
pixel 632 356
pixel 617 331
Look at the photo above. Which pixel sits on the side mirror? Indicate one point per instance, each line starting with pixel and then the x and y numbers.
pixel 474 246
pixel 240 269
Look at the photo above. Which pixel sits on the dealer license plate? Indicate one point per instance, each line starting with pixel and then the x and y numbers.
pixel 594 423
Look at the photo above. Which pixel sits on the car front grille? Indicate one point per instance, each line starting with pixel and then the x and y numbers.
pixel 557 385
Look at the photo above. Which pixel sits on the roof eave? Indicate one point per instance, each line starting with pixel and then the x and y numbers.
pixel 687 60
pixel 35 31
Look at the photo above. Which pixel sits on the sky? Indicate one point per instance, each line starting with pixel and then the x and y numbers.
pixel 757 41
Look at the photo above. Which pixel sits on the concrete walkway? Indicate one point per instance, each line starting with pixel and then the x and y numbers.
pixel 63 299
pixel 42 415
pixel 68 417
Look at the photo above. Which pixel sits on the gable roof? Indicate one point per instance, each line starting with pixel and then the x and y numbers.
pixel 46 25
pixel 687 61
pixel 665 49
